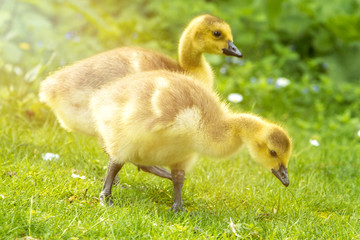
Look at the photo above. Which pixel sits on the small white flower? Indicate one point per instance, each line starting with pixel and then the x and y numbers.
pixel 359 133
pixel 314 142
pixel 74 175
pixel 78 176
pixel 282 82
pixel 235 97
pixel 50 156
pixel 2 196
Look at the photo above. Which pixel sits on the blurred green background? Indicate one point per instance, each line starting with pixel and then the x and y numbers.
pixel 316 46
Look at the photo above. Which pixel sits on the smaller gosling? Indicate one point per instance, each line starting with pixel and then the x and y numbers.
pixel 164 118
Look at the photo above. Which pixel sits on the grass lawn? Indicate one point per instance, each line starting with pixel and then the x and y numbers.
pixel 42 199
pixel 312 46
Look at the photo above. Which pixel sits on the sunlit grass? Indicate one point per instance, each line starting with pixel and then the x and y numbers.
pixel 300 68
pixel 42 199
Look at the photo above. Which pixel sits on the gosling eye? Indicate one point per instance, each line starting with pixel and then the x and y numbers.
pixel 273 153
pixel 217 34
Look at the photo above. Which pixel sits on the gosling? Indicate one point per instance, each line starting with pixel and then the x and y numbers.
pixel 164 118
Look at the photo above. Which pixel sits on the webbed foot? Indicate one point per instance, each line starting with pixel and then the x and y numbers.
pixel 178 208
pixel 105 200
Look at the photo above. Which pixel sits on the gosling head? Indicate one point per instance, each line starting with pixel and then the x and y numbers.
pixel 213 35
pixel 272 149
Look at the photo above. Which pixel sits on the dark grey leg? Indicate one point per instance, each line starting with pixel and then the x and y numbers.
pixel 105 195
pixel 178 182
pixel 116 180
pixel 158 171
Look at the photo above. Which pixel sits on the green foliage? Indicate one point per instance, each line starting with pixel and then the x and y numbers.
pixel 311 45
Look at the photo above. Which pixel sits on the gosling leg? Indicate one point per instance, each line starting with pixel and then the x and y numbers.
pixel 105 195
pixel 116 180
pixel 178 182
pixel 158 171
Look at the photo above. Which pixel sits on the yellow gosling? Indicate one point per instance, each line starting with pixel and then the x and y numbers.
pixel 167 119
pixel 67 91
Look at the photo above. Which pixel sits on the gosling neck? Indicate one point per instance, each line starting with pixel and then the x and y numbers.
pixel 225 136
pixel 192 60
pixel 247 127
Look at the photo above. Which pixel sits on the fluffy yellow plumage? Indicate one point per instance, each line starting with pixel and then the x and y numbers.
pixel 68 90
pixel 165 118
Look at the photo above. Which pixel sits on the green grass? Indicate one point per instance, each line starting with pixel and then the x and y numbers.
pixel 40 198
pixel 311 43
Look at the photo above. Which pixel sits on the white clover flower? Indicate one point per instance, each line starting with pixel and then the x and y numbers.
pixel 282 82
pixel 358 133
pixel 50 156
pixel 314 142
pixel 235 97
pixel 78 176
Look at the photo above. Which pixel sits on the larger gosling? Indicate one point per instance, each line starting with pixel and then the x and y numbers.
pixel 67 91
pixel 167 119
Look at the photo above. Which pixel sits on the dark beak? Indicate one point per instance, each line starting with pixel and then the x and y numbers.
pixel 232 50
pixel 282 175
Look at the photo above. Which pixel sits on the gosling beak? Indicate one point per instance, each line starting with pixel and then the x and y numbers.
pixel 282 175
pixel 232 50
